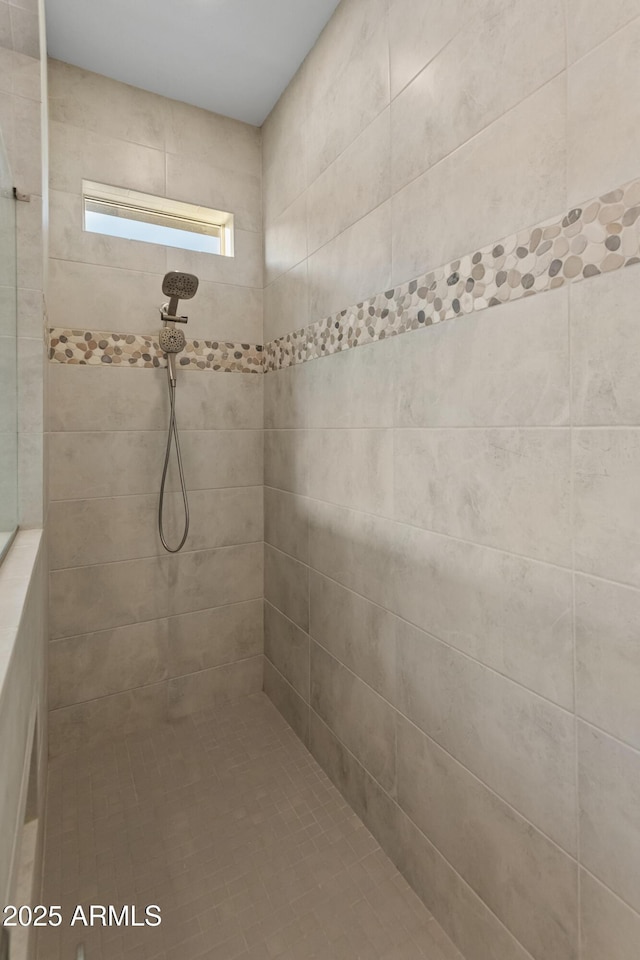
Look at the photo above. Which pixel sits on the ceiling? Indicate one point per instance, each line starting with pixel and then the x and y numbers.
pixel 233 57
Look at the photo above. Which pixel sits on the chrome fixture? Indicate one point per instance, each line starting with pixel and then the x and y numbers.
pixel 176 286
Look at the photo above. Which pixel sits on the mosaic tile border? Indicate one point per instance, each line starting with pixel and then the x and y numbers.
pixel 135 350
pixel 600 236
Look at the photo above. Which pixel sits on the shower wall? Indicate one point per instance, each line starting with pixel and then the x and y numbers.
pixel 452 514
pixel 138 635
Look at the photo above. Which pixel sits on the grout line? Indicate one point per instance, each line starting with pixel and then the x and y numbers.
pixel 169 617
pixel 135 623
pixel 472 543
pixel 421 832
pixel 154 556
pixel 157 683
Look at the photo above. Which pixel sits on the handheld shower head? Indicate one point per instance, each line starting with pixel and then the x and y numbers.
pixel 178 286
pixel 171 339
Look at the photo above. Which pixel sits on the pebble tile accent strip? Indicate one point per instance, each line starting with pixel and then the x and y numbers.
pixel 601 236
pixel 598 237
pixel 131 350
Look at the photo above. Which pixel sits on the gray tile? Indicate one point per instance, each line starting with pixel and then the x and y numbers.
pixel 364 794
pixel 285 393
pixel 107 662
pixel 286 523
pixel 89 724
pixel 355 631
pixel 520 745
pixel 475 929
pixel 608 657
pixel 286 460
pixel 293 708
pixel 504 367
pixel 607 503
pixel 287 647
pixel 86 465
pixel 436 114
pixel 604 342
pixel 286 586
pixel 609 790
pixel 523 877
pixel 361 719
pixel 209 688
pixel 353 468
pixel 355 388
pixel 506 488
pixel 610 928
pixel 209 638
pixel 89 599
pixel 126 528
pixel 209 578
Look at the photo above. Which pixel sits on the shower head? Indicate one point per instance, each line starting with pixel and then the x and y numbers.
pixel 178 286
pixel 171 339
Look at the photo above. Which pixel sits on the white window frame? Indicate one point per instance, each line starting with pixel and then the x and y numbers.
pixel 160 211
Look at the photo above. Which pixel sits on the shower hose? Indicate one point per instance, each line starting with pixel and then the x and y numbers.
pixel 173 435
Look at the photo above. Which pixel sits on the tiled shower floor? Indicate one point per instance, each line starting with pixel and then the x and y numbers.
pixel 228 824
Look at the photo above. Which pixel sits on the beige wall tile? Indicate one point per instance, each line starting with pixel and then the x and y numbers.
pixel 608 657
pixel 85 397
pixel 353 468
pixel 292 707
pixel 286 460
pixel 207 688
pixel 110 661
pixel 604 342
pixel 523 877
pixel 417 33
pixel 603 114
pixel 89 599
pixel 609 790
pixel 501 367
pixel 353 185
pixel 349 93
pixel 285 397
pixel 209 638
pixel 456 592
pixel 355 388
pixel 607 503
pixel 69 241
pixel 437 112
pixel 355 631
pixel 469 922
pixel 286 303
pixel 609 927
pixel 211 578
pixel 85 465
pixel 285 240
pixel 227 143
pixel 517 165
pixel 92 723
pixel 77 154
pixel 362 720
pixel 505 488
pixel 191 179
pixel 589 23
pixel 126 528
pixel 364 794
pixel 520 745
pixel 286 523
pixel 286 586
pixel 284 164
pixel 105 106
pixel 353 266
pixel 287 647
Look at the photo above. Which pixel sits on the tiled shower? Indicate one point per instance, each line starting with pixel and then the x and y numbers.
pixel 385 703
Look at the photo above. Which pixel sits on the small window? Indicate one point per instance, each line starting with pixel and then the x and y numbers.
pixel 117 212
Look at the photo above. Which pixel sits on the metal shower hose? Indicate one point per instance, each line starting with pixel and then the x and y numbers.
pixel 173 434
